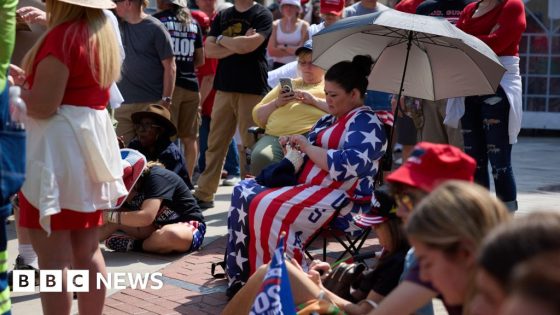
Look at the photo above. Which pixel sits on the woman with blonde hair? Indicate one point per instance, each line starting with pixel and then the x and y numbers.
pixel 73 159
pixel 446 231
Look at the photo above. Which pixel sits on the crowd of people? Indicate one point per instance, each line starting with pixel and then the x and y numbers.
pixel 111 92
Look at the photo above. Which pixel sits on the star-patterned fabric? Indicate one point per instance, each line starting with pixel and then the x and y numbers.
pixel 258 214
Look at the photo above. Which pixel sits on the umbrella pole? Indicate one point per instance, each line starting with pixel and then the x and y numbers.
pixel 396 113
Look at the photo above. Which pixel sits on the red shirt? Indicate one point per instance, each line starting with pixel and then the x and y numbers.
pixel 208 68
pixel 68 42
pixel 408 6
pixel 509 16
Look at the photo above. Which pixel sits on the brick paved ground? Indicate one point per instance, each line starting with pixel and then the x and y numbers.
pixel 189 287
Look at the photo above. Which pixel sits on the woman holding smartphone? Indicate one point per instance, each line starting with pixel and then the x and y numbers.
pixel 292 107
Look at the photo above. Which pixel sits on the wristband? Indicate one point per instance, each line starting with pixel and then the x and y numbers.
pixel 112 217
pixel 371 303
pixel 219 39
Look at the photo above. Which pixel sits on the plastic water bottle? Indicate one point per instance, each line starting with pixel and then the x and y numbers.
pixel 18 109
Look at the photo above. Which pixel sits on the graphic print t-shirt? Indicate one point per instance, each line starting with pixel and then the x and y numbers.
pixel 449 9
pixel 246 73
pixel 185 37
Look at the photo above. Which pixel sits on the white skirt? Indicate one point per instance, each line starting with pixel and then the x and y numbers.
pixel 73 162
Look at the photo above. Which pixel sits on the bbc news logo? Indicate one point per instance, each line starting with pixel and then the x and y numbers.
pixel 79 280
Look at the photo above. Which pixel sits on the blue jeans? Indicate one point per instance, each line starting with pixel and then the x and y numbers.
pixel 485 132
pixel 12 168
pixel 232 158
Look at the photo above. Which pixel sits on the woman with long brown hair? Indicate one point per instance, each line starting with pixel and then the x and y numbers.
pixel 446 230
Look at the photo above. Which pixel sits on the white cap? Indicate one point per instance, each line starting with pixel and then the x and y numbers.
pixel 297 3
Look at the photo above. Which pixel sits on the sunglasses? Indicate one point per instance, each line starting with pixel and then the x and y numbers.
pixel 405 200
pixel 145 126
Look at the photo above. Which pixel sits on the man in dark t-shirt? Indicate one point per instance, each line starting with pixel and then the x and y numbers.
pixel 186 36
pixel 159 216
pixel 449 9
pixel 238 38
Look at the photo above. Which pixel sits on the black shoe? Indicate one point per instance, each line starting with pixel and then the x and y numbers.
pixel 203 205
pixel 232 290
pixel 21 265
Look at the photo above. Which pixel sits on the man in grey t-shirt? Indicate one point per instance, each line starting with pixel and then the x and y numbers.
pixel 364 7
pixel 148 71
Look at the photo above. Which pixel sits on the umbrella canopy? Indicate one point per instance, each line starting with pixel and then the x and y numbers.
pixel 421 56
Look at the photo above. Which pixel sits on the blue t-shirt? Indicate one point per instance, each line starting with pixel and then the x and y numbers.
pixel 378 100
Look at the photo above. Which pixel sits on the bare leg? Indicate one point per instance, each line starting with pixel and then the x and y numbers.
pixel 87 256
pixel 170 238
pixel 106 230
pixel 303 290
pixel 191 153
pixel 136 232
pixel 53 253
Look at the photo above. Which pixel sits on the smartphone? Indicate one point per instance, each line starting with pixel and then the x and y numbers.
pixel 286 85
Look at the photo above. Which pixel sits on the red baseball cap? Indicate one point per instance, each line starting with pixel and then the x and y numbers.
pixel 332 7
pixel 431 164
pixel 202 18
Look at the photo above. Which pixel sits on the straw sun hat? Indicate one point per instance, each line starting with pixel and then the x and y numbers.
pixel 95 4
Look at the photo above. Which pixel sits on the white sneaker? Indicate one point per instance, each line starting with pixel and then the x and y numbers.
pixel 231 180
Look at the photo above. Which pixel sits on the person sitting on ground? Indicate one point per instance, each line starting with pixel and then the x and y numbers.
pixel 160 215
pixel 536 287
pixel 342 153
pixel 154 130
pixel 446 230
pixel 428 166
pixel 506 247
pixel 375 283
pixel 289 112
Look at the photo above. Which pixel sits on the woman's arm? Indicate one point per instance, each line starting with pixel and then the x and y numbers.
pixel 415 296
pixel 143 217
pixel 370 303
pixel 206 87
pixel 316 154
pixel 509 27
pixel 273 50
pixel 49 85
pixel 310 99
pixel 198 57
pixel 272 101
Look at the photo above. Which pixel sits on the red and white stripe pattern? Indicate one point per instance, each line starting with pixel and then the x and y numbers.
pixel 258 214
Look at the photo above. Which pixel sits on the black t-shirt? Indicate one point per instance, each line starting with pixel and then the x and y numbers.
pixel 384 277
pixel 185 39
pixel 245 73
pixel 449 9
pixel 178 204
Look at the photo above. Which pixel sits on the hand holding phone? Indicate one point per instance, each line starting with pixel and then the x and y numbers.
pixel 286 85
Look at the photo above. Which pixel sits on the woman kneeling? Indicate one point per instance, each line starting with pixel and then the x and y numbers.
pixel 160 216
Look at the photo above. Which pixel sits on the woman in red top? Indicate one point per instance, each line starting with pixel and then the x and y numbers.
pixel 491 123
pixel 73 159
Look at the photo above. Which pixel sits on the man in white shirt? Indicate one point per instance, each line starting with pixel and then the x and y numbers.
pixel 364 7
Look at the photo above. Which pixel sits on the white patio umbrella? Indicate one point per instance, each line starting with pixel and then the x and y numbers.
pixel 417 56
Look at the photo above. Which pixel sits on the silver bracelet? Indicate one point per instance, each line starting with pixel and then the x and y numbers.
pixel 370 302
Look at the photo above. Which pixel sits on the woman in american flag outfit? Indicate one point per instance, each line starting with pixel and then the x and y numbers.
pixel 342 153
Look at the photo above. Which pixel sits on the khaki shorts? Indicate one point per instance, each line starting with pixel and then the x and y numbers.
pixel 185 112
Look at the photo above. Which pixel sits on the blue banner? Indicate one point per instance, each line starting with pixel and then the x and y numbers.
pixel 275 296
